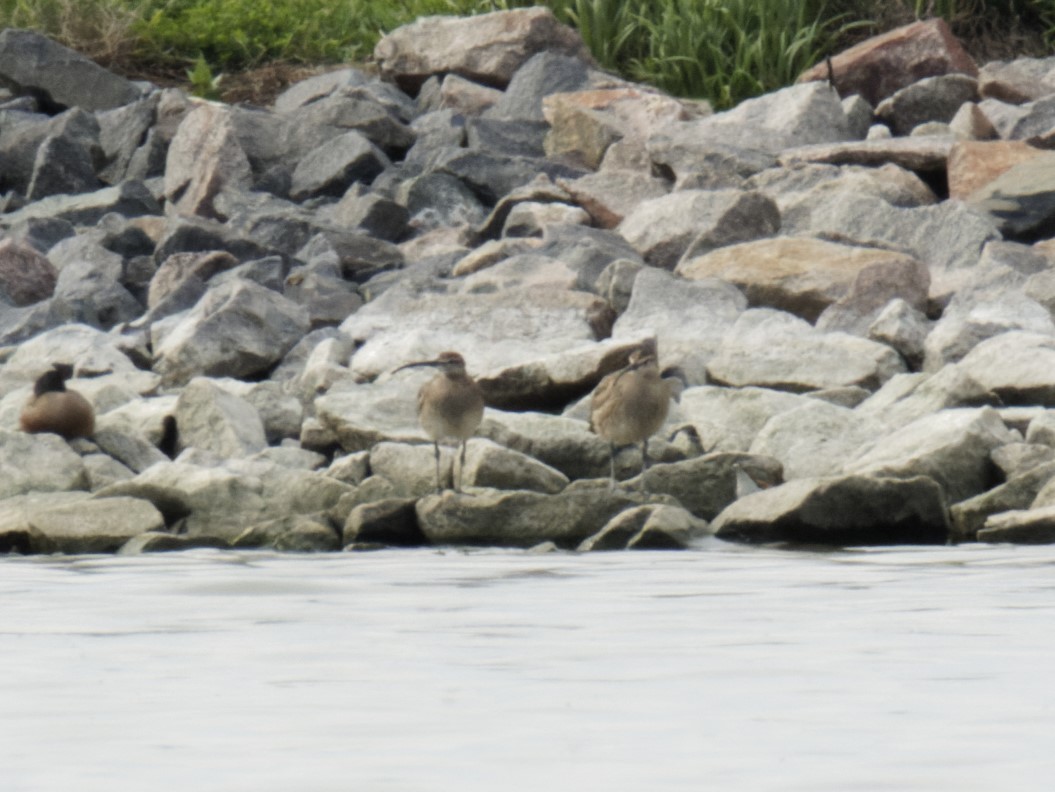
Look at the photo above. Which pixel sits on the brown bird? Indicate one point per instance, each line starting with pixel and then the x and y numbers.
pixel 450 406
pixel 55 409
pixel 630 405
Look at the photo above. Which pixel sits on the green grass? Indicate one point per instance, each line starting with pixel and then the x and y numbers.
pixel 721 50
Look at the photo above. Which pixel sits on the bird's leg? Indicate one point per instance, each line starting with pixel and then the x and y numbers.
pixel 644 462
pixel 436 448
pixel 611 466
pixel 461 468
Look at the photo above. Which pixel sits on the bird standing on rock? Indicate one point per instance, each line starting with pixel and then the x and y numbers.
pixel 450 406
pixel 55 409
pixel 630 405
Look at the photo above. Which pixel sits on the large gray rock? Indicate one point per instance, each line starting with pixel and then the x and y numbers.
pixel 805 276
pixel 650 527
pixel 32 61
pixel 774 349
pixel 518 519
pixel 63 165
pixel 488 48
pixel 335 165
pixel 815 439
pixel 402 325
pixel 930 99
pixel 237 329
pixel 360 415
pixel 212 419
pixel 688 319
pixel 488 464
pixel 970 516
pixel 128 199
pixel 563 443
pixel 847 510
pixel 729 419
pixel 90 284
pixel 908 397
pixel 79 523
pixel 1017 366
pixel 1026 526
pixel 952 447
pixel 38 463
pixel 26 276
pixel 692 222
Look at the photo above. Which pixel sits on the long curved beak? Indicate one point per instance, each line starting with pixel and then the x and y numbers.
pixel 417 364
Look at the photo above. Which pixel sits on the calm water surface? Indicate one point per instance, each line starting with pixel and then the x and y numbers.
pixel 723 668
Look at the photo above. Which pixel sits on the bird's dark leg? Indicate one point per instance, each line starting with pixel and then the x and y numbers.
pixel 436 448
pixel 461 468
pixel 611 465
pixel 644 462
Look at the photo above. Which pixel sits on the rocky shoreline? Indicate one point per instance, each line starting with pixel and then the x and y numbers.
pixel 854 273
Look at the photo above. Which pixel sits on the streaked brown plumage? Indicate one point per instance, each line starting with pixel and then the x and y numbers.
pixel 450 405
pixel 631 405
pixel 55 409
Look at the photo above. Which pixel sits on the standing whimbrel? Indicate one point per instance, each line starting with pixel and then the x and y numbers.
pixel 55 409
pixel 450 406
pixel 630 405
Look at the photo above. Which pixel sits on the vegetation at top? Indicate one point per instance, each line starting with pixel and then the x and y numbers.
pixel 721 50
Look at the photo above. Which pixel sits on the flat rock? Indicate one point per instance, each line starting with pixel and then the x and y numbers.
pixel 846 510
pixel 925 154
pixel 518 519
pixel 1017 366
pixel 799 275
pixel 1024 526
pixel 1017 493
pixel 75 523
pixel 975 163
pixel 773 349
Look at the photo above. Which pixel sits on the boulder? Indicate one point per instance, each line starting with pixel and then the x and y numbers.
pixel 563 443
pixel 545 74
pixel 844 511
pixel 35 63
pixel 649 527
pixel 1016 366
pixel 951 446
pixel 488 464
pixel 128 199
pixel 729 419
pixel 975 163
pixel 930 99
pixel 192 267
pixel 212 419
pixel 26 276
pixel 1020 201
pixel 79 523
pixel 237 329
pixel 804 276
pixel 926 154
pixel 1017 81
pixel 487 49
pixel 38 463
pixel 501 518
pixel 391 522
pixel 902 327
pixel 609 196
pixel 1024 526
pixel 693 222
pixel 1017 493
pixel 883 64
pixel 777 350
pixel 334 166
pixel 908 397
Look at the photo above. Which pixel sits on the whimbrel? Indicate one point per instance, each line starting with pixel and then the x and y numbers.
pixel 55 409
pixel 630 405
pixel 450 406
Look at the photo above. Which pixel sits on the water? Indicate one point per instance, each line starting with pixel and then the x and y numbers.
pixel 725 668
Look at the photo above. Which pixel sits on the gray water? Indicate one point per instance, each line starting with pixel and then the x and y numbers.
pixel 723 668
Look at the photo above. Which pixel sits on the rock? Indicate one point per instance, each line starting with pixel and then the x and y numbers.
pixel 212 419
pixel 929 99
pixel 89 285
pixel 801 189
pixel 707 484
pixel 26 276
pixel 103 471
pixel 512 137
pixel 129 448
pixel 907 397
pixel 1017 493
pixel 79 523
pixel 688 319
pixel 237 329
pixel 844 511
pixel 180 268
pixel 970 123
pixel 488 464
pixel 391 522
pixel 875 286
pixel 162 542
pixel 927 154
pixel 690 223
pixel 400 326
pixel 363 415
pixel 32 61
pixel 774 349
pixel 463 96
pixel 128 199
pixel 902 327
pixel 952 447
pixel 1016 366
pixel 815 439
pixel 295 534
pixel 204 158
pixel 491 175
pixel 411 468
pixel 487 49
pixel 1014 459
pixel 728 419
pixel 795 116
pixel 1018 81
pixel 609 196
pixel 543 75
pixel 693 161
pixel 62 166
pixel 563 443
pixel 518 519
pixel 335 165
pixel 1030 526
pixel 975 163
pixel 1020 200
pixel 439 200
pixel 31 463
pixel 881 65
pixel 651 527
pixel 372 214
pixel 1031 122
pixel 803 276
